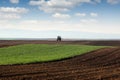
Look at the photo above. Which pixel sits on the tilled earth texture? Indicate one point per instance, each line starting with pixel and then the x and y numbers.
pixel 102 64
pixel 5 43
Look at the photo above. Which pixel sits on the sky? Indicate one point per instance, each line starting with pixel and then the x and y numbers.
pixel 76 19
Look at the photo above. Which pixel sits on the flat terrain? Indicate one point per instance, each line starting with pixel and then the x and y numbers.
pixel 32 53
pixel 5 43
pixel 102 64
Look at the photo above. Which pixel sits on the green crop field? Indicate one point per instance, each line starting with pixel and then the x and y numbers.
pixel 31 53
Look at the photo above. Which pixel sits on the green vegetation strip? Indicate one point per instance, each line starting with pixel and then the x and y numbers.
pixel 31 53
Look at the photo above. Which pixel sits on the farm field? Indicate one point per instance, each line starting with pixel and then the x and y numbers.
pixel 32 53
pixel 5 43
pixel 102 64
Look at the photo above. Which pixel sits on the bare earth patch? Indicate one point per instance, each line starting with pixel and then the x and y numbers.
pixel 103 64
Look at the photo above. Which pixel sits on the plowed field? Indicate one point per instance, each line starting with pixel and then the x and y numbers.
pixel 5 43
pixel 103 64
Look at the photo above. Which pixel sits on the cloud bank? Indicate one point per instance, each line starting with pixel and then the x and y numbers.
pixel 12 12
pixel 53 6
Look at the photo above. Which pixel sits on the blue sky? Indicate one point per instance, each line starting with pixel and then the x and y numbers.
pixel 78 19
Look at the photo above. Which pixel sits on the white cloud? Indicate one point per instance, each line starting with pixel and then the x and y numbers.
pixel 53 6
pixel 94 14
pixel 38 25
pixel 12 12
pixel 86 21
pixel 14 1
pixel 9 16
pixel 61 16
pixel 113 1
pixel 80 14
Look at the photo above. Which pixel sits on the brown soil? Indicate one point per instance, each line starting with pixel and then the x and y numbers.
pixel 5 43
pixel 103 64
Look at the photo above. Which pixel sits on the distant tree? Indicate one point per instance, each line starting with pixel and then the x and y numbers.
pixel 59 38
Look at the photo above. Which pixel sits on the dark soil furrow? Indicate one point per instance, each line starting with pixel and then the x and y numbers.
pixel 103 64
